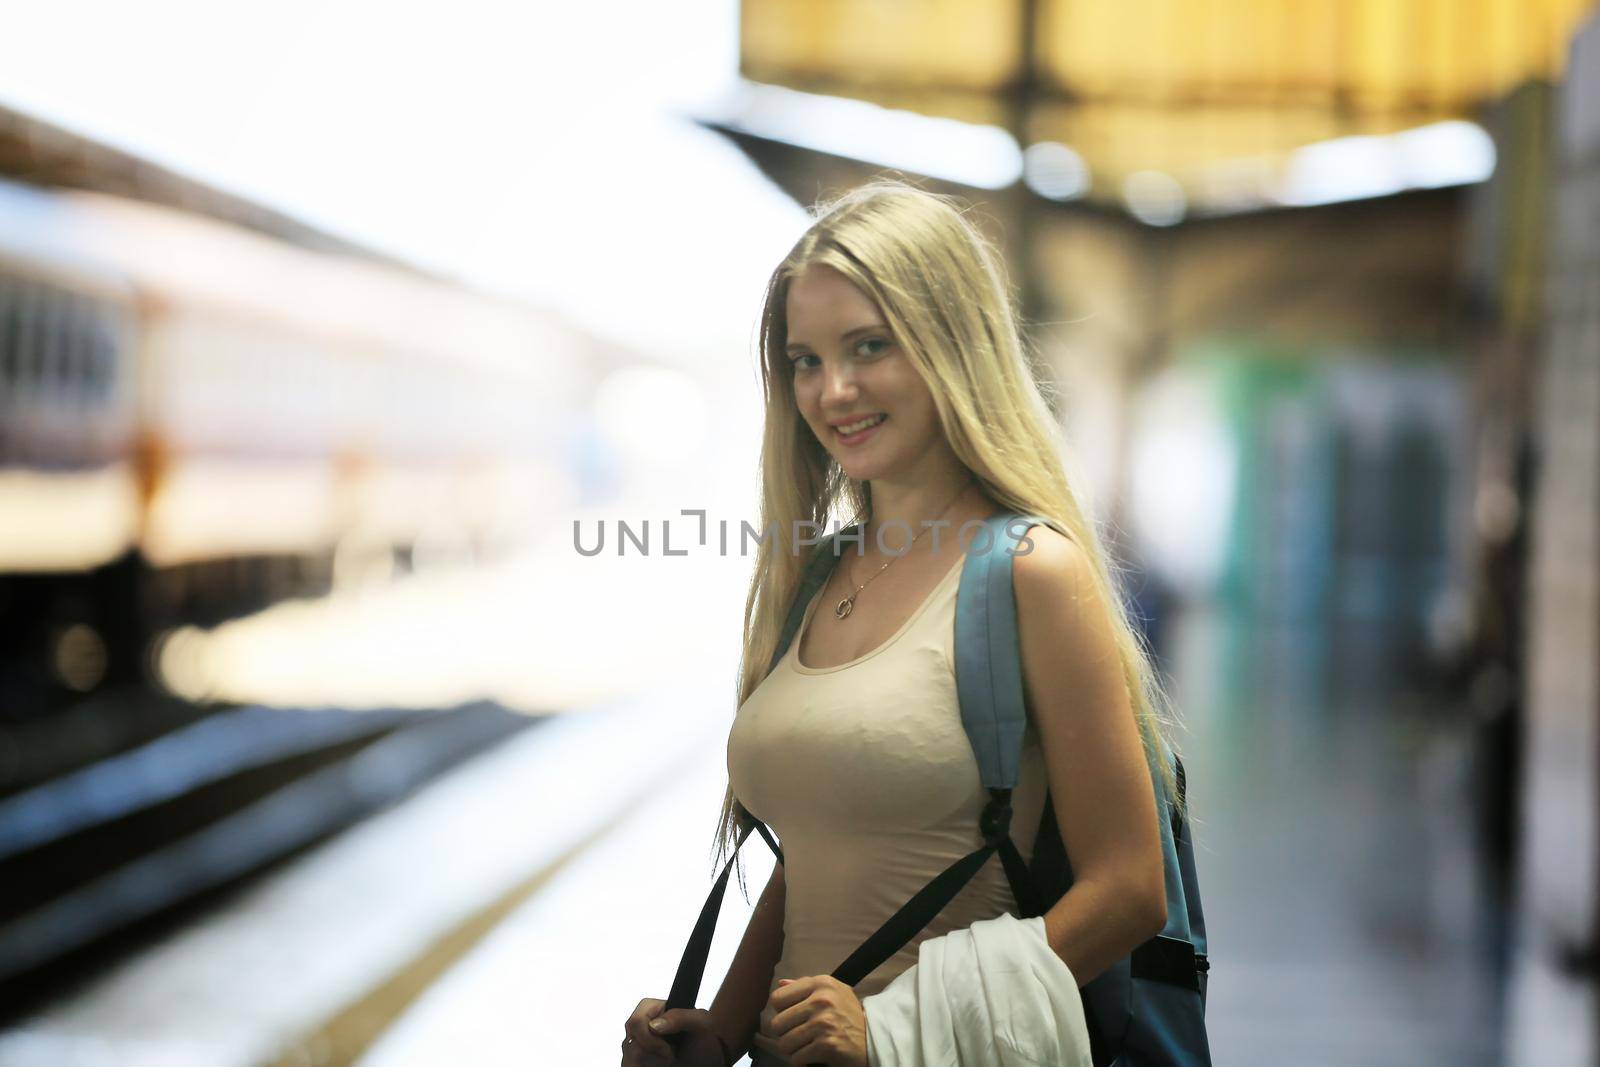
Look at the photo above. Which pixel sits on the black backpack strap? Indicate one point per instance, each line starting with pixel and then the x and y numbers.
pixel 929 901
pixel 766 835
pixel 692 966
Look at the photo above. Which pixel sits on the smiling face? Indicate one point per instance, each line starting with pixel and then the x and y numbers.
pixel 849 373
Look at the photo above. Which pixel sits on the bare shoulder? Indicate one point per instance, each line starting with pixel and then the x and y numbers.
pixel 1059 606
pixel 1054 568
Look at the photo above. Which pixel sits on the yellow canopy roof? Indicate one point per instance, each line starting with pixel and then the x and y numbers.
pixel 1167 85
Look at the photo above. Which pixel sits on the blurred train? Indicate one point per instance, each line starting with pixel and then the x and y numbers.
pixel 197 420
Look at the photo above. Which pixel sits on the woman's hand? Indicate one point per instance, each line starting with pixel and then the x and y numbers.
pixel 818 1020
pixel 646 1046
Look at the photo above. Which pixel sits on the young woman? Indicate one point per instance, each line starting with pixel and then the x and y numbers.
pixel 897 391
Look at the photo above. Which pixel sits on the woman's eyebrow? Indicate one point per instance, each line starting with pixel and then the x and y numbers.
pixel 846 335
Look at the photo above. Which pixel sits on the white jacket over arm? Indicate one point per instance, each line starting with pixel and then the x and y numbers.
pixel 994 993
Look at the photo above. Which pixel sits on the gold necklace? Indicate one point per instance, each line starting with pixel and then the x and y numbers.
pixel 848 604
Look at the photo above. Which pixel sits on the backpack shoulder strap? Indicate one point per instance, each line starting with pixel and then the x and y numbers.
pixel 988 663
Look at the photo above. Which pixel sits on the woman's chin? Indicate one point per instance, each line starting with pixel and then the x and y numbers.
pixel 860 472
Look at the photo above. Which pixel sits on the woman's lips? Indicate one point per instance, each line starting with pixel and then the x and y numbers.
pixel 859 437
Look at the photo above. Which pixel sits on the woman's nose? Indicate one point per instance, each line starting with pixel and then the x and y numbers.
pixel 838 385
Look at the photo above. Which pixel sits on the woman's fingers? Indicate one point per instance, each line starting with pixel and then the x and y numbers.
pixel 812 1042
pixel 639 1039
pixel 636 1053
pixel 650 1026
pixel 681 1020
pixel 759 1040
pixel 786 1020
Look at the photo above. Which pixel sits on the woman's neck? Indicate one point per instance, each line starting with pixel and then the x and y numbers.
pixel 900 513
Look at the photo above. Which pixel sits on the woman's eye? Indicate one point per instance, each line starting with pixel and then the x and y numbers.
pixel 871 346
pixel 797 362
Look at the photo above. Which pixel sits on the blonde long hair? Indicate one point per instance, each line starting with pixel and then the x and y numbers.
pixel 942 289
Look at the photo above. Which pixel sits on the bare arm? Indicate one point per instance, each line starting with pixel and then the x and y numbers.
pixel 736 1011
pixel 1094 757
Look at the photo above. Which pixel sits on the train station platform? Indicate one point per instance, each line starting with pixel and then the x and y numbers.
pixel 515 910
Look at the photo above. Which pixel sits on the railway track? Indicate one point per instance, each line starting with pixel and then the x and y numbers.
pixel 124 814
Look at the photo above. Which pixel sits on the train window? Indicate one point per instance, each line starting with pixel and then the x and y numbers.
pixel 55 356
pixel 27 351
pixel 86 389
pixel 70 325
pixel 10 335
pixel 53 348
pixel 72 362
pixel 100 341
pixel 47 336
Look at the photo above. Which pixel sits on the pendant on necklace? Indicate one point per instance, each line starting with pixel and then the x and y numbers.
pixel 845 607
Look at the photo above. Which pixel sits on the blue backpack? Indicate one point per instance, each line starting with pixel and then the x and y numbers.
pixel 1147 1009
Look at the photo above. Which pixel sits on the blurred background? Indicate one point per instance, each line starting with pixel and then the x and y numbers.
pixel 335 338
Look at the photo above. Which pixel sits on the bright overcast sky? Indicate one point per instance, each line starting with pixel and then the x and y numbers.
pixel 533 148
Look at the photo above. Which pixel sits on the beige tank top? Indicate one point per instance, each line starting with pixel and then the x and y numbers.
pixel 865 773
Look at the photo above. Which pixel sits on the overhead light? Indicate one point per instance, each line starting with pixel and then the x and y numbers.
pixel 1445 153
pixel 985 157
pixel 1054 171
pixel 1355 168
pixel 1154 198
pixel 1346 168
